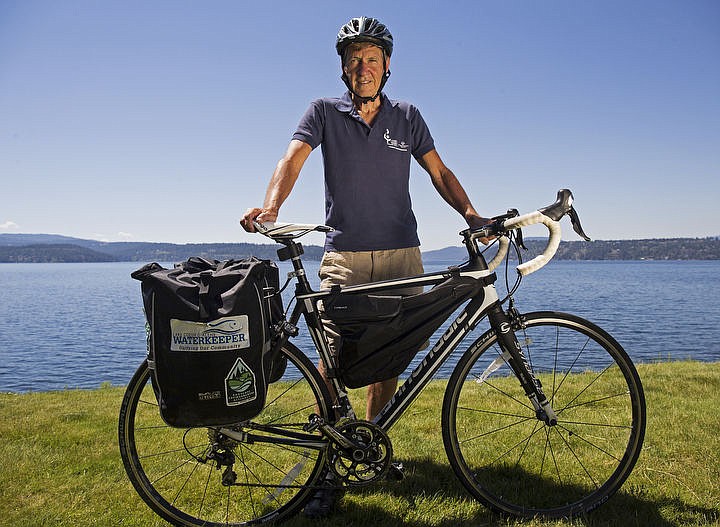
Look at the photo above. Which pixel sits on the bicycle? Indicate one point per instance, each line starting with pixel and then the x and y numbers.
pixel 543 415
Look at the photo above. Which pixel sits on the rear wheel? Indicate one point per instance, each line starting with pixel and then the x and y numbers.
pixel 519 465
pixel 214 476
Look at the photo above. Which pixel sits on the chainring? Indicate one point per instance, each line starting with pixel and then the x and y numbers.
pixel 369 461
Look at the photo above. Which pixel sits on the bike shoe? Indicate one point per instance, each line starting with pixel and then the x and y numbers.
pixel 323 502
pixel 396 472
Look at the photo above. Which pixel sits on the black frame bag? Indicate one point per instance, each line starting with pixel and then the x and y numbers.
pixel 381 334
pixel 209 339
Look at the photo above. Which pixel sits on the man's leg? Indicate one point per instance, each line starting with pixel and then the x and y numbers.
pixel 378 395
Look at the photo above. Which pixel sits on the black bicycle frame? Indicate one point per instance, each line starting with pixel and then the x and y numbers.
pixel 484 303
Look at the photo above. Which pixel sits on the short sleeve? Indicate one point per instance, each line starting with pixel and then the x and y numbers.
pixel 422 139
pixel 311 126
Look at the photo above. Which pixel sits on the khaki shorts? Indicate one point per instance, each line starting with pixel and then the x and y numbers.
pixel 360 267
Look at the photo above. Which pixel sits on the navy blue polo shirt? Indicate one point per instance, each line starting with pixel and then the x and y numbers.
pixel 367 171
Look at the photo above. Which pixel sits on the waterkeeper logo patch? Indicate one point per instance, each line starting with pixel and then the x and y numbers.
pixel 223 334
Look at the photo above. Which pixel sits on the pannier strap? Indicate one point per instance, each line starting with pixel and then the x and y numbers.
pixel 203 288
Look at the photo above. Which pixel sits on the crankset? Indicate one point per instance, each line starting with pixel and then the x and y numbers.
pixel 369 457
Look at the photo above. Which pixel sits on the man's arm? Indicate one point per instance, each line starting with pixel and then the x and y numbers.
pixel 450 188
pixel 281 184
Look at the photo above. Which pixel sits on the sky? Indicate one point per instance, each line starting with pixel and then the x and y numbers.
pixel 163 120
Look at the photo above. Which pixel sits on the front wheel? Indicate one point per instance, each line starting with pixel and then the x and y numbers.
pixel 219 476
pixel 521 466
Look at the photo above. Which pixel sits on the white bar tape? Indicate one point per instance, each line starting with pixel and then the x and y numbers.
pixel 555 235
pixel 504 243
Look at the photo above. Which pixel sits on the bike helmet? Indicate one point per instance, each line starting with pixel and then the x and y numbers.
pixel 365 29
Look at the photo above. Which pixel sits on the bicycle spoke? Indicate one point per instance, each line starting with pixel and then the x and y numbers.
pixel 173 470
pixel 593 401
pixel 205 491
pixel 495 431
pixel 247 470
pixel 507 394
pixel 599 375
pixel 579 461
pixel 513 447
pixel 185 483
pixel 588 442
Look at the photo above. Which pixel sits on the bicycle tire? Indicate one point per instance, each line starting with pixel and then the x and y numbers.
pixel 273 481
pixel 518 465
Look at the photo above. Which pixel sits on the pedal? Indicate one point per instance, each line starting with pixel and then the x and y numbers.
pixel 396 472
pixel 314 422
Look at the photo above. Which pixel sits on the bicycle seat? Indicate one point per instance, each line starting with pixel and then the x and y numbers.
pixel 277 230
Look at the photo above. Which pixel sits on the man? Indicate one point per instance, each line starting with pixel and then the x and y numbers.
pixel 367 141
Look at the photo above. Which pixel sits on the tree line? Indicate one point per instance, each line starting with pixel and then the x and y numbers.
pixel 92 251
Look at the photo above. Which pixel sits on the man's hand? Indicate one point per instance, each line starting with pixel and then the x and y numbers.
pixel 475 222
pixel 259 215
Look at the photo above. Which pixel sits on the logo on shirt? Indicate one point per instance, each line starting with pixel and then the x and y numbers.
pixel 402 146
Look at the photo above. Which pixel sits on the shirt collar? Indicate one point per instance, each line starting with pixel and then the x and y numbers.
pixel 346 105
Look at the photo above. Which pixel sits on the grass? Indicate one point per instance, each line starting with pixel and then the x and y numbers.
pixel 60 464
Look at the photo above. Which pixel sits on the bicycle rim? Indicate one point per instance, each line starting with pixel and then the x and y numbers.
pixel 266 482
pixel 520 466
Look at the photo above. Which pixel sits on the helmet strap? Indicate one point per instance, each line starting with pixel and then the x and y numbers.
pixel 360 99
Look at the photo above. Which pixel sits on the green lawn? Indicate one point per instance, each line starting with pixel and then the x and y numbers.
pixel 60 464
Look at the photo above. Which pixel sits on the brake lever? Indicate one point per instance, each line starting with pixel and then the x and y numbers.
pixel 575 220
pixel 513 213
pixel 519 239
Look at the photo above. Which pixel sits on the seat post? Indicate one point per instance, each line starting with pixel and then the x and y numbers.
pixel 293 251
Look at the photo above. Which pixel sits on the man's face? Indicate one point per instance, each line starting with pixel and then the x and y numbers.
pixel 364 68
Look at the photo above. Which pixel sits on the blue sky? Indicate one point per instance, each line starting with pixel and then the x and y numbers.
pixel 163 120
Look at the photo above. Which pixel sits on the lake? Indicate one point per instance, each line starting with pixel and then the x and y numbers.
pixel 81 325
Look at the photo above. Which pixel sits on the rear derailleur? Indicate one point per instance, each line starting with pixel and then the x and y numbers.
pixel 220 453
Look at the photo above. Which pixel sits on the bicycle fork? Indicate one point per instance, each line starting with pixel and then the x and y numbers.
pixel 513 354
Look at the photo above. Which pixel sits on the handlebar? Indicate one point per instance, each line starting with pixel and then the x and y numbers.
pixel 548 216
pixel 553 239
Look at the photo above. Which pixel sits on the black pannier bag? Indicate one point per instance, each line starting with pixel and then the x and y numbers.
pixel 380 334
pixel 209 338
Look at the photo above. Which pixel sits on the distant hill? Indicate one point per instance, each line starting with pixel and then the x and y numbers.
pixel 651 249
pixel 35 239
pixel 16 248
pixel 51 253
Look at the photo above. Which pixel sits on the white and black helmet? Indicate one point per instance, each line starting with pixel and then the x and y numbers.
pixel 364 29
